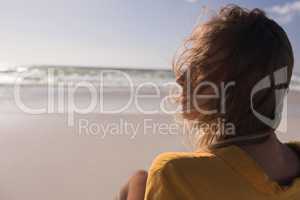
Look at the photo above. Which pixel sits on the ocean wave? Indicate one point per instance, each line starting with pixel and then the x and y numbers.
pixel 40 75
pixel 110 77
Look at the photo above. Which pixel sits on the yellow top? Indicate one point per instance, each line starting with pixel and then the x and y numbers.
pixel 226 173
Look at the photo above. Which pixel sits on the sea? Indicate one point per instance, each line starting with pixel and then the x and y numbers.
pixel 107 76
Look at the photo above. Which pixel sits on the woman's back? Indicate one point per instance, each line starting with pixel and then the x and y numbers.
pixel 223 173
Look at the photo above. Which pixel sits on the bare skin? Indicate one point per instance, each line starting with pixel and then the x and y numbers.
pixel 134 189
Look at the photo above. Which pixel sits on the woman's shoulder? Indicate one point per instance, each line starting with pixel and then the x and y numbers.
pixel 168 160
pixel 184 172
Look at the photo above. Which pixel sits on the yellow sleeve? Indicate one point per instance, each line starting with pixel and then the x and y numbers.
pixel 165 182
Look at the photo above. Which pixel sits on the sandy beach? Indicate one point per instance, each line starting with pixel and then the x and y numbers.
pixel 41 158
pixel 44 158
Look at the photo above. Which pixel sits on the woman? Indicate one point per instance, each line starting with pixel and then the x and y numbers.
pixel 235 68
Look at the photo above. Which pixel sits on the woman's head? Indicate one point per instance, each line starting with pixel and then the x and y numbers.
pixel 228 72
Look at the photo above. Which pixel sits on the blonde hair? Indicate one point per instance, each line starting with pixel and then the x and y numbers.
pixel 237 45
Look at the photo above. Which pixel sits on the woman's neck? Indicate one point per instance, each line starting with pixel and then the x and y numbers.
pixel 278 161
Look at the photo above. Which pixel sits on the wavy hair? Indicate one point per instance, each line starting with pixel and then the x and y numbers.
pixel 236 46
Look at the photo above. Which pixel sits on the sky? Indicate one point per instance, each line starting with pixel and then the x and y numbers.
pixel 125 33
